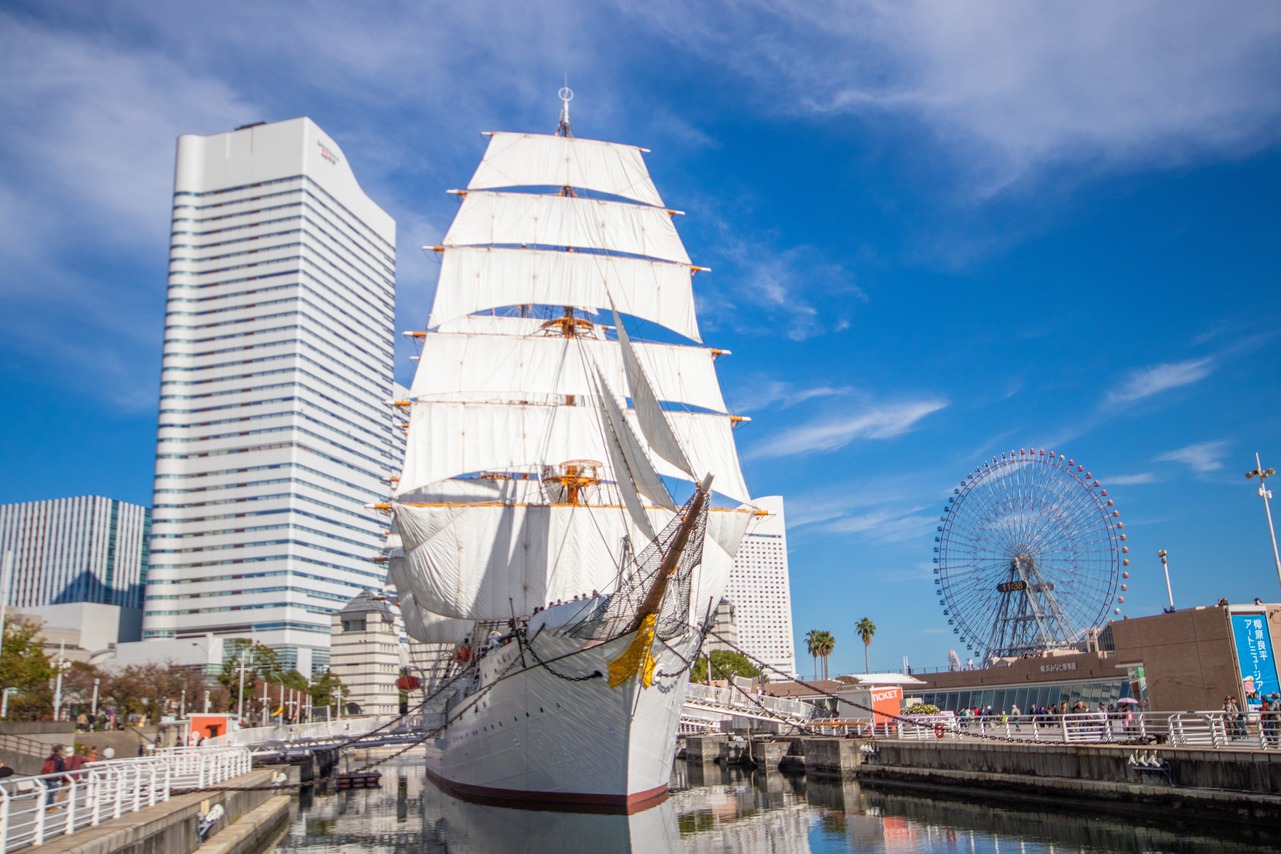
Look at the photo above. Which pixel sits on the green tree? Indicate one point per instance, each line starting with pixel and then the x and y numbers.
pixel 77 687
pixel 866 628
pixel 261 663
pixel 325 688
pixel 25 668
pixel 154 689
pixel 724 664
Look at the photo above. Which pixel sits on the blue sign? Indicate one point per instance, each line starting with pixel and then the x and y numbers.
pixel 1254 651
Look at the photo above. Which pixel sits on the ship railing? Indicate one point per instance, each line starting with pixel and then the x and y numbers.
pixel 1215 729
pixel 34 810
pixel 339 728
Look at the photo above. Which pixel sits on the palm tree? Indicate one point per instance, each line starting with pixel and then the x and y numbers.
pixel 824 644
pixel 866 628
pixel 811 646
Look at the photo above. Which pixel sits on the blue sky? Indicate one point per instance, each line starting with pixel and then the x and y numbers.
pixel 938 231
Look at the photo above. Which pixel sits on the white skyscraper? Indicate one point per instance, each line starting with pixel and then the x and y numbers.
pixel 760 593
pixel 274 430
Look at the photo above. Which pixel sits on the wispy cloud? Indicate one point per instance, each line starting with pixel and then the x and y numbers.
pixel 768 288
pixel 1146 382
pixel 883 525
pixel 760 394
pixel 885 510
pixel 834 431
pixel 1131 479
pixel 1202 458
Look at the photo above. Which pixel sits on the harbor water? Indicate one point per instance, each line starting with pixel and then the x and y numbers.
pixel 713 810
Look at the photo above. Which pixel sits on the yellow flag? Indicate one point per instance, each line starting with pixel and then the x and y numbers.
pixel 636 660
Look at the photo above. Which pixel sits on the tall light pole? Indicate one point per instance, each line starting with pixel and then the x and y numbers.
pixel 62 666
pixel 240 710
pixel 1263 474
pixel 1161 553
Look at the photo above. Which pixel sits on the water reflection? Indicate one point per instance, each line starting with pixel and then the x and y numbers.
pixel 713 809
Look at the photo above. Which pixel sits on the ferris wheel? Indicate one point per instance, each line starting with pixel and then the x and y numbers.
pixel 1029 555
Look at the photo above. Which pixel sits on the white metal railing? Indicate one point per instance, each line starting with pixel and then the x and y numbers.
pixel 1204 729
pixel 36 809
pixel 338 728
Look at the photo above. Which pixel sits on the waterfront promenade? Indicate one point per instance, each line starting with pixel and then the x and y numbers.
pixel 1203 762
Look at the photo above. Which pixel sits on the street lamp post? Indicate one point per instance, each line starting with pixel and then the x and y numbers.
pixel 58 685
pixel 240 710
pixel 94 704
pixel 1161 553
pixel 1263 474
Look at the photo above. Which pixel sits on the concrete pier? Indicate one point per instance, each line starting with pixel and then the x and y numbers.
pixel 704 748
pixel 832 757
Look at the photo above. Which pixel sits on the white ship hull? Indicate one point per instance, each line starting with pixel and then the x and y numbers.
pixel 531 737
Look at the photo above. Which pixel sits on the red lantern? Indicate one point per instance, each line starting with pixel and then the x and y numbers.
pixel 407 682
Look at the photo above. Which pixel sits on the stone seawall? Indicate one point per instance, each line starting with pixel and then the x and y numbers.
pixel 1215 784
pixel 1220 784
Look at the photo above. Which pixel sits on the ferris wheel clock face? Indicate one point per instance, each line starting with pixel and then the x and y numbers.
pixel 1029 555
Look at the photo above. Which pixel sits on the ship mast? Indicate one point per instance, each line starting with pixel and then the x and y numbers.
pixel 566 95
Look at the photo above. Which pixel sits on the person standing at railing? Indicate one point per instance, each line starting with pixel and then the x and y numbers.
pixel 1269 719
pixel 55 765
pixel 1232 717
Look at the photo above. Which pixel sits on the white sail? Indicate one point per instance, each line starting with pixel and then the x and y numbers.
pixel 428 627
pixel 626 485
pixel 463 438
pixel 542 368
pixel 725 532
pixel 649 412
pixel 482 562
pixel 539 160
pixel 631 465
pixel 482 278
pixel 520 219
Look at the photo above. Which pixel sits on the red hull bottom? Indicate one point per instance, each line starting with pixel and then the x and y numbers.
pixel 557 801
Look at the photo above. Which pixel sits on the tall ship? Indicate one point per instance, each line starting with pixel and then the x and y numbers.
pixel 571 499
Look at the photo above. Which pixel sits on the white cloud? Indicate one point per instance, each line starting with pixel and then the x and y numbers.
pixel 1146 382
pixel 1009 87
pixel 1203 457
pixel 104 155
pixel 761 394
pixel 832 432
pixel 1131 479
pixel 884 526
